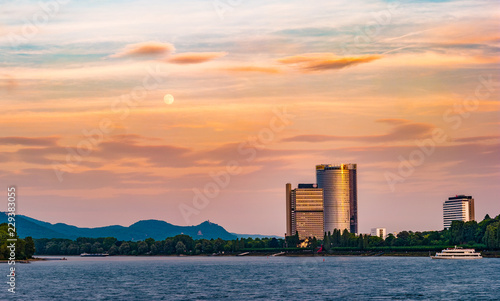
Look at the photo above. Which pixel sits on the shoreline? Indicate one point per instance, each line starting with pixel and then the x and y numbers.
pixel 487 254
pixel 25 260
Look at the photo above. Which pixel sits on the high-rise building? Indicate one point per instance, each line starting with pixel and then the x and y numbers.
pixel 380 232
pixel 304 211
pixel 340 197
pixel 288 210
pixel 458 208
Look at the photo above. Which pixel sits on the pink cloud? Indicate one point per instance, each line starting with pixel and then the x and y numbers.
pixel 310 62
pixel 402 131
pixel 253 69
pixel 195 57
pixel 151 48
pixel 41 141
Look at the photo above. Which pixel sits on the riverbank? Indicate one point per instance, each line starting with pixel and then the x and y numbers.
pixel 25 260
pixel 485 254
pixel 303 253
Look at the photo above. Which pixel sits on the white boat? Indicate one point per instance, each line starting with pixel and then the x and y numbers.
pixel 458 253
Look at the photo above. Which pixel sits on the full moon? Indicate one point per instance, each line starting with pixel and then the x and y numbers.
pixel 168 99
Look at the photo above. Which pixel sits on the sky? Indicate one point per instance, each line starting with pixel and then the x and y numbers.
pixel 187 111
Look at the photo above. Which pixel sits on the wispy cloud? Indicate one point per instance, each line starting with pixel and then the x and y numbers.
pixel 325 61
pixel 151 48
pixel 476 138
pixel 8 82
pixel 253 69
pixel 402 131
pixel 42 141
pixel 194 57
pixel 393 120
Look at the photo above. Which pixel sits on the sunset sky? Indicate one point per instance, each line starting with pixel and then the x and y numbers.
pixel 266 89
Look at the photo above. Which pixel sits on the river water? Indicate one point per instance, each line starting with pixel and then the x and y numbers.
pixel 261 278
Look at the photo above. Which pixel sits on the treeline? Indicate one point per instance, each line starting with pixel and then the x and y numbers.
pixel 484 235
pixel 24 248
pixel 180 244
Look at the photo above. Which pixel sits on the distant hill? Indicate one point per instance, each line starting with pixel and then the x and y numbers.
pixel 158 230
pixel 254 236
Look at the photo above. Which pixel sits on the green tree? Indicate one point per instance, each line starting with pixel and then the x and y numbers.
pixel 186 240
pixel 360 241
pixel 154 249
pixel 29 247
pixel 457 232
pixel 366 241
pixel 326 242
pixel 149 241
pixel 169 246
pixel 293 241
pixel 345 238
pixel 403 239
pixel 113 250
pixel 228 246
pixel 490 237
pixel 86 247
pixel 142 248
pixel 470 229
pixel 52 248
pixel 337 238
pixel 198 247
pixel 273 243
pixel 498 234
pixel 96 248
pixel 218 245
pixel 416 239
pixel 124 248
pixel 180 248
pixel 389 240
pixel 73 249
pixel 108 242
pixel 375 241
pixel 159 247
pixel 207 246
pixel 314 244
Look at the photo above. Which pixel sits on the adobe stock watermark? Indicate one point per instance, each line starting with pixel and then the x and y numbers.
pixel 248 150
pixel 454 116
pixel 368 33
pixel 47 10
pixel 121 108
pixel 371 29
pixel 11 240
pixel 306 268
pixel 222 7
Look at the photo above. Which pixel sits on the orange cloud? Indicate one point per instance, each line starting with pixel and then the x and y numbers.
pixel 394 121
pixel 195 57
pixel 476 138
pixel 403 130
pixel 30 141
pixel 151 48
pixel 8 82
pixel 253 69
pixel 325 61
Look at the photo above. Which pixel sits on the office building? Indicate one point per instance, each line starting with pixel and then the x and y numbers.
pixel 380 232
pixel 339 184
pixel 458 208
pixel 304 211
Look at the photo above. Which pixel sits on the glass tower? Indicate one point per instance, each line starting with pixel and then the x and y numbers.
pixel 340 197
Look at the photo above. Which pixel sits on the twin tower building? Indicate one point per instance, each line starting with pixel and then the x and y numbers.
pixel 332 203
